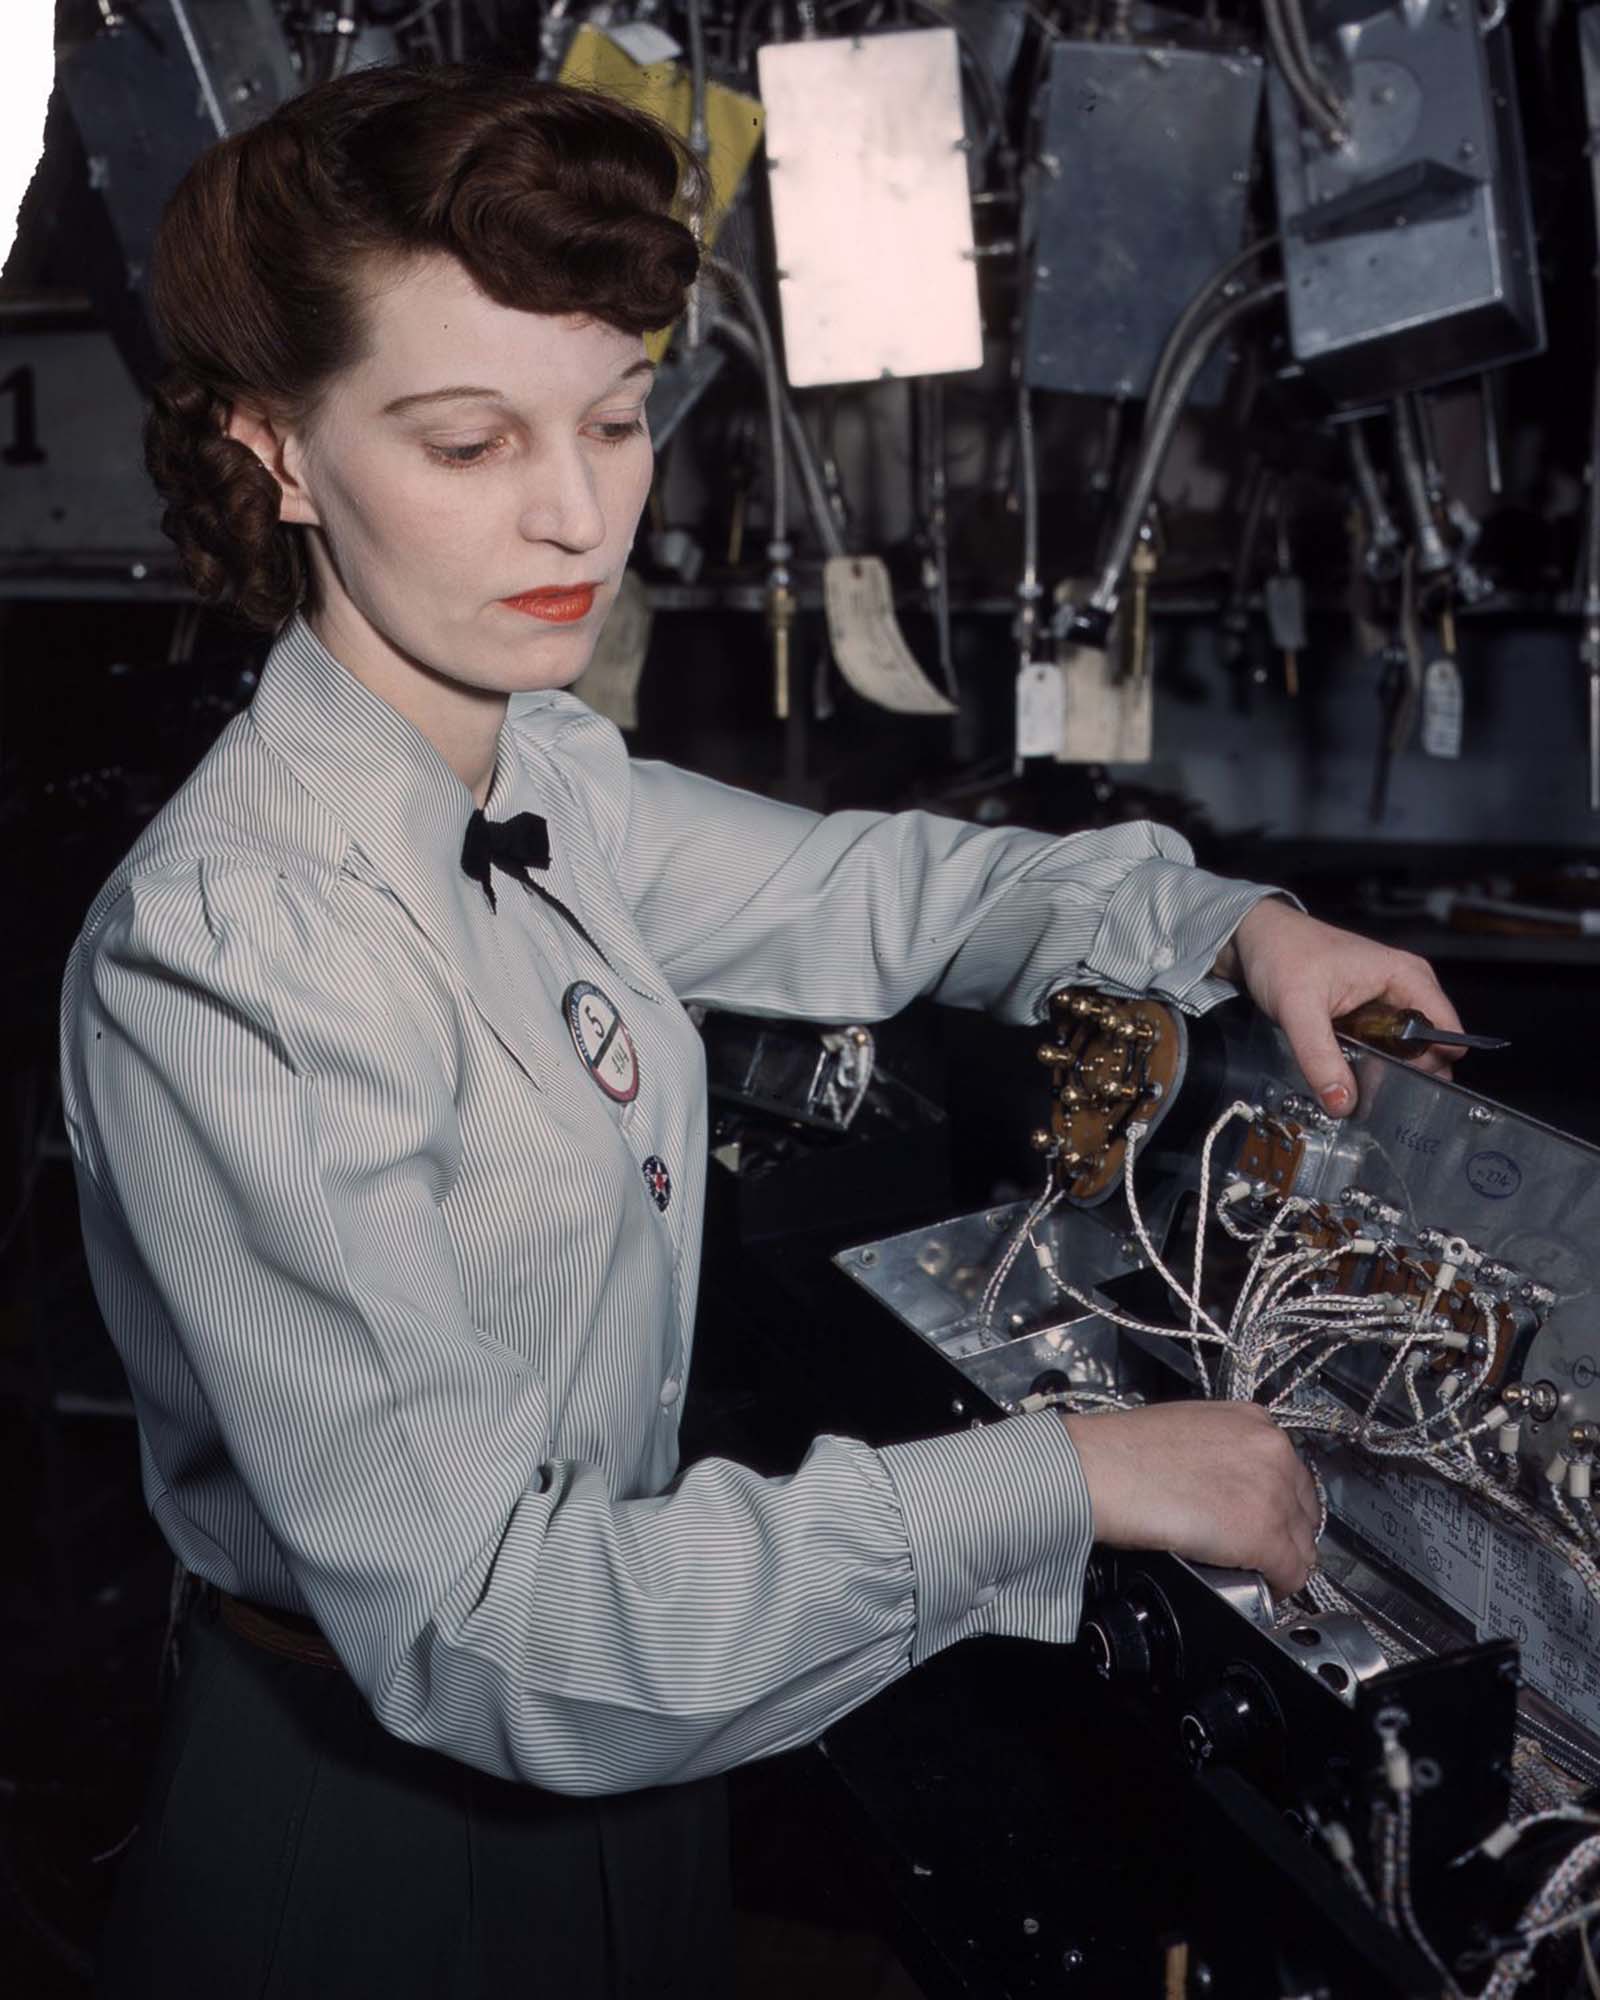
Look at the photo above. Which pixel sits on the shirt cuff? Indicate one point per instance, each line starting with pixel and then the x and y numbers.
pixel 999 1525
pixel 1163 929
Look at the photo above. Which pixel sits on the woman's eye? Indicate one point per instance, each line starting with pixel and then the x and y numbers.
pixel 618 432
pixel 463 454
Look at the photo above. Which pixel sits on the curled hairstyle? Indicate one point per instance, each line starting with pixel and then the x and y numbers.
pixel 555 200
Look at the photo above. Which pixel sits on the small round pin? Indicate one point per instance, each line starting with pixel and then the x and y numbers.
pixel 657 1180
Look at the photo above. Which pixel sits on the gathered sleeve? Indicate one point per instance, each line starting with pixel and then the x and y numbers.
pixel 266 1137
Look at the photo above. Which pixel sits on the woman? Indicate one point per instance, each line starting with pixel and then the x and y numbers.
pixel 390 1124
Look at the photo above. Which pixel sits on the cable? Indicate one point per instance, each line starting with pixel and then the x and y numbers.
pixel 1291 51
pixel 1160 422
pixel 1028 586
pixel 756 318
pixel 1383 550
pixel 822 516
pixel 1182 329
pixel 1432 555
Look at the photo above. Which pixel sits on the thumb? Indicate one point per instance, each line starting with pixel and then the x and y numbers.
pixel 1316 1050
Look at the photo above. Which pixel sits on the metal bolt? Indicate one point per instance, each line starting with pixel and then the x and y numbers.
pixel 1030 1926
pixel 869 1256
pixel 957 1407
pixel 1480 1114
pixel 1071 1959
pixel 1543 1400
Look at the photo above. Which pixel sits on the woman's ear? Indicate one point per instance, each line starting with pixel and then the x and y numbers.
pixel 255 429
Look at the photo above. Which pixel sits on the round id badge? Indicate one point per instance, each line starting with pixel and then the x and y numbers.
pixel 603 1042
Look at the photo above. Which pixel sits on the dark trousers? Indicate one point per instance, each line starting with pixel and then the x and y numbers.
pixel 290 1848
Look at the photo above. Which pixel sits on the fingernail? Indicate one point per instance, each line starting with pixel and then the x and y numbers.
pixel 1337 1096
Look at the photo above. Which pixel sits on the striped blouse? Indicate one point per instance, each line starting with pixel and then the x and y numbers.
pixel 371 1179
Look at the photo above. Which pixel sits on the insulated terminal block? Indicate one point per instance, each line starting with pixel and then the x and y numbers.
pixel 1111 1062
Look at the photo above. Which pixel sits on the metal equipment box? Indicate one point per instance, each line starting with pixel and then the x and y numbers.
pixel 871 209
pixel 1408 250
pixel 1146 154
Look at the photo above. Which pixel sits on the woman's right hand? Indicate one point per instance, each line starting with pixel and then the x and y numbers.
pixel 1215 1482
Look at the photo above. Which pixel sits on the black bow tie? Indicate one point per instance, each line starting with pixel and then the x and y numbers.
pixel 516 845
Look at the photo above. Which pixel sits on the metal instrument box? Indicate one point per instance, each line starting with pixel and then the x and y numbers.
pixel 871 208
pixel 1409 250
pixel 1146 155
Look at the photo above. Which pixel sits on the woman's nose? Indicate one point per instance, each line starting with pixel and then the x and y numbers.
pixel 561 503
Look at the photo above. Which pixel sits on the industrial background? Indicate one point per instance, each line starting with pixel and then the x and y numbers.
pixel 1089 412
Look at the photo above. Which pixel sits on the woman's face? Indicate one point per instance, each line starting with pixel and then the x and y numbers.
pixel 475 455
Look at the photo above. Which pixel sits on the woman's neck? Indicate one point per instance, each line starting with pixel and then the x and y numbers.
pixel 462 723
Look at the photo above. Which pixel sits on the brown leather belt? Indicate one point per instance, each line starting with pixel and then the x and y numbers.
pixel 285 1633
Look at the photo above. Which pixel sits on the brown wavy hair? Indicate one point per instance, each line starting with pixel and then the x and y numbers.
pixel 554 199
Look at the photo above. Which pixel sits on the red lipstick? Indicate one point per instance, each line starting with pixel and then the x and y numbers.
pixel 563 604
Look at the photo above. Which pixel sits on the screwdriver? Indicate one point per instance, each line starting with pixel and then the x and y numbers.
pixel 1395 1031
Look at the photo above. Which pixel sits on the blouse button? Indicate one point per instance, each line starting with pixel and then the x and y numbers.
pixel 669 1391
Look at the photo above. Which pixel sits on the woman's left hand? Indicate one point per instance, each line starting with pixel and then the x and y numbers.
pixel 1304 973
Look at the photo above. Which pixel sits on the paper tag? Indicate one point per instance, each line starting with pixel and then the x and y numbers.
pixel 867 643
pixel 610 682
pixel 1041 709
pixel 1109 715
pixel 644 41
pixel 1442 708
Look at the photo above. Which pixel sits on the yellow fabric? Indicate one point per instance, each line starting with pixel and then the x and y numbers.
pixel 733 121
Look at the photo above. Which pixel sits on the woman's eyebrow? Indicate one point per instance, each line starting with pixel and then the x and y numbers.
pixel 466 393
pixel 458 395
